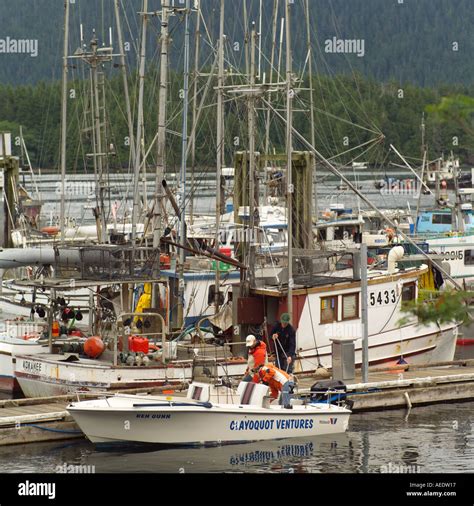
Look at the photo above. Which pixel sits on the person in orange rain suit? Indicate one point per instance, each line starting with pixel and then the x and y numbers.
pixel 257 357
pixel 278 381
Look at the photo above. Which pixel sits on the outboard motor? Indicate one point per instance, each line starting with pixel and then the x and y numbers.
pixel 321 391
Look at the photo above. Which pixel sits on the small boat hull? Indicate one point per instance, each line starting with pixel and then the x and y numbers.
pixel 197 425
pixel 48 375
pixel 9 348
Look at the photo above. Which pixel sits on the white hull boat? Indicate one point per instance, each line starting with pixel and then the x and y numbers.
pixel 52 374
pixel 325 313
pixel 9 348
pixel 126 419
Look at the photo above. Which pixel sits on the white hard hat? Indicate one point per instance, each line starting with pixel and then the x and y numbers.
pixel 250 340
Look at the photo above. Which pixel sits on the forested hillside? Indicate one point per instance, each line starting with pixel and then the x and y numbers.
pixel 412 53
pixel 426 42
pixel 349 111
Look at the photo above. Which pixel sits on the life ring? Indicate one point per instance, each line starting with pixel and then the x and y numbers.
pixel 50 230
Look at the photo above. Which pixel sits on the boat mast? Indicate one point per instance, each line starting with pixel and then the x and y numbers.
pixel 197 46
pixel 137 154
pixel 160 145
pixel 246 37
pixel 98 154
pixel 184 149
pixel 289 149
pixel 424 155
pixel 311 102
pixel 220 144
pixel 123 69
pixel 63 122
pixel 260 11
pixel 251 127
pixel 270 80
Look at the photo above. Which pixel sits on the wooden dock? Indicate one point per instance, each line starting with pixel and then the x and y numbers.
pixel 407 386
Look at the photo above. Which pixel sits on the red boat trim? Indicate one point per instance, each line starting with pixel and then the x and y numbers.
pixel 467 341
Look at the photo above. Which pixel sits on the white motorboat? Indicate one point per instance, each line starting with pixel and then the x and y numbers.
pixel 197 419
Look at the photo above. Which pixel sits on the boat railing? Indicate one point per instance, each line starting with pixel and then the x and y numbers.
pixel 327 396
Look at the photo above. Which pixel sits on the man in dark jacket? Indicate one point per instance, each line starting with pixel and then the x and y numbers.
pixel 284 338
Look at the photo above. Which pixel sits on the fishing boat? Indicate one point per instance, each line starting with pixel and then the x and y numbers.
pixel 167 420
pixel 19 337
pixel 449 232
pixel 62 373
pixel 129 350
pixel 327 305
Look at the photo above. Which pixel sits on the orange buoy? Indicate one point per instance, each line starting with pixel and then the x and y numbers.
pixel 94 346
pixel 50 230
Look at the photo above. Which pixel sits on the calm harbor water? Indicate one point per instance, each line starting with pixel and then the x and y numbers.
pixel 429 439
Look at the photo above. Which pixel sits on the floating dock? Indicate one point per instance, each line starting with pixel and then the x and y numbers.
pixel 407 386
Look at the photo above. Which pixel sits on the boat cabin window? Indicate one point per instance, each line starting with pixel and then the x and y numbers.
pixel 468 257
pixel 350 306
pixel 328 309
pixel 442 219
pixel 345 262
pixel 409 291
pixel 275 236
pixel 212 294
pixel 339 233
